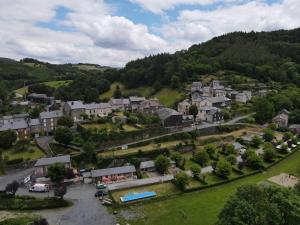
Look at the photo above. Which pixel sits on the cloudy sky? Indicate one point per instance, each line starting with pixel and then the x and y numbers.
pixel 113 32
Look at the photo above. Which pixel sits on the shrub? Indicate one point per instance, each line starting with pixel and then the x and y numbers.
pixel 223 169
pixel 181 180
pixel 201 157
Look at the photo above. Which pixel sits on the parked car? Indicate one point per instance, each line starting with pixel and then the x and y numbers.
pixel 39 188
pixel 100 193
pixel 100 186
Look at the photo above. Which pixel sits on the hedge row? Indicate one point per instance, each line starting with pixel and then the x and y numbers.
pixel 31 203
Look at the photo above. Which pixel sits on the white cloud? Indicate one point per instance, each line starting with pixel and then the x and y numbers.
pixel 159 6
pixel 194 26
pixel 97 36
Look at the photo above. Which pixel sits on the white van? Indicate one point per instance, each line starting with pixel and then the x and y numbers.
pixel 39 188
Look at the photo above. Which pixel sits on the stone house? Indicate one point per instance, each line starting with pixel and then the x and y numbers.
pixel 122 104
pixel 150 106
pixel 40 98
pixel 41 166
pixel 19 125
pixel 135 101
pixel 183 107
pixel 74 109
pixel 169 117
pixel 97 109
pixel 49 120
pixel 282 119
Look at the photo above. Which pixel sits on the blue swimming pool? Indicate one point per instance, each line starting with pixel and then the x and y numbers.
pixel 136 196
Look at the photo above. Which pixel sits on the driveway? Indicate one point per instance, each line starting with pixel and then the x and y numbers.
pixel 87 210
pixel 17 175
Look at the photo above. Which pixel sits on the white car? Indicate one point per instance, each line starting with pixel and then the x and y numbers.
pixel 39 188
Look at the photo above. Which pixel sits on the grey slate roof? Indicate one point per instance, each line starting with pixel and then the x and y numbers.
pixel 113 171
pixel 136 99
pixel 52 160
pixel 76 104
pixel 294 126
pixel 120 101
pixel 164 113
pixel 34 122
pixel 217 99
pixel 147 164
pixel 51 114
pixel 13 125
pixel 97 106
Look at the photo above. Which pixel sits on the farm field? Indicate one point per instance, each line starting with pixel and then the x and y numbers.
pixel 58 83
pixel 203 207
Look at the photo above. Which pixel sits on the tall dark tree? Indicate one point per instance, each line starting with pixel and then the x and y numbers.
pixel 193 110
pixel 63 135
pixel 7 138
pixel 118 92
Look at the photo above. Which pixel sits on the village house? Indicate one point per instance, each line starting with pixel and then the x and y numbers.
pixel 74 109
pixel 243 97
pixel 147 166
pixel 40 98
pixel 196 86
pixel 19 125
pixel 41 166
pixel 110 175
pixel 135 101
pixel 122 104
pixel 183 107
pixel 210 114
pixel 149 106
pixel 295 128
pixel 97 109
pixel 169 117
pixel 35 126
pixel 219 102
pixel 282 119
pixel 49 120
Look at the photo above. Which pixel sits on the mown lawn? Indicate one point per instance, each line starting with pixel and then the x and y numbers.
pixel 22 220
pixel 203 207
pixel 168 96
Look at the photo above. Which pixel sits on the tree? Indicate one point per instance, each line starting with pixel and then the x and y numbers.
pixel 63 135
pixel 230 149
pixel 136 162
pixel 297 188
pixel 196 170
pixel 210 149
pixel 264 110
pixel 261 205
pixel 287 136
pixel 254 161
pixel 269 152
pixel 223 168
pixel 268 135
pixel 117 92
pixel 90 152
pixel 231 159
pixel 3 91
pixel 7 138
pixel 162 164
pixel 21 144
pixel 56 172
pixel 201 157
pixel 60 191
pixel 181 180
pixel 65 121
pixel 177 157
pixel 12 188
pixel 193 110
pixel 256 141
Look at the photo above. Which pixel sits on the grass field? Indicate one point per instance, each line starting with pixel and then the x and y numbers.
pixel 203 207
pixel 58 83
pixel 109 127
pixel 31 152
pixel 169 96
pixel 143 91
pixel 55 84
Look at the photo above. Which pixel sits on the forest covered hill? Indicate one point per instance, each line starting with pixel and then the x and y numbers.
pixel 266 56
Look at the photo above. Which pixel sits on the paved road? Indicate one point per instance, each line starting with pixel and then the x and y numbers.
pixel 17 175
pixel 87 210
